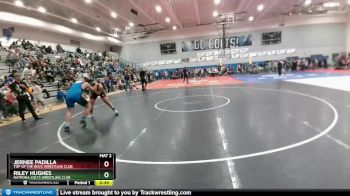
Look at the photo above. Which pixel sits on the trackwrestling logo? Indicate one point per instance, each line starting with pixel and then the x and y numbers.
pixel 8 191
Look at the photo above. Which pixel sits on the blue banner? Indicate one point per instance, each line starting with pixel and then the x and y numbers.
pixel 29 191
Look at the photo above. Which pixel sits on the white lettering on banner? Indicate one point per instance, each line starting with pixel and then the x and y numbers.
pixel 202 44
pixel 196 44
pixel 217 43
pixel 211 44
pixel 227 42
pixel 232 42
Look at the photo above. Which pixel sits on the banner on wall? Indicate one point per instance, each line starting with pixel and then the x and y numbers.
pixel 217 43
pixel 269 38
pixel 8 33
pixel 168 48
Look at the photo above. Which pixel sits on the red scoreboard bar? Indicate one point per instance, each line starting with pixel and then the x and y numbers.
pixel 61 169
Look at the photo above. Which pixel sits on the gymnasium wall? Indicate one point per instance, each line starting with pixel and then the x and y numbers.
pixel 51 38
pixel 323 39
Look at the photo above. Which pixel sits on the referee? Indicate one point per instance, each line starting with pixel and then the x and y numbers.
pixel 185 75
pixel 143 79
pixel 20 88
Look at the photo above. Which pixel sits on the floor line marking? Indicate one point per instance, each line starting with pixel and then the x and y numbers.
pixel 336 103
pixel 228 101
pixel 43 149
pixel 337 141
pixel 235 182
pixel 288 147
pixel 132 143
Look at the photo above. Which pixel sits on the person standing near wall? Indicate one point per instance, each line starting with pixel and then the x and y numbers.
pixel 143 79
pixel 127 80
pixel 279 67
pixel 185 75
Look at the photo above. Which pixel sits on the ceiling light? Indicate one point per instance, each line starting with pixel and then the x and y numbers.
pixel 115 35
pixel 98 29
pixel 5 16
pixel 290 14
pixel 349 2
pixel 88 1
pixel 260 7
pixel 158 8
pixel 74 20
pixel 92 37
pixel 217 2
pixel 131 24
pixel 41 9
pixel 167 19
pixel 251 18
pixel 19 3
pixel 215 13
pixel 331 4
pixel 63 29
pixel 113 14
pixel 111 39
pixel 174 27
pixel 308 2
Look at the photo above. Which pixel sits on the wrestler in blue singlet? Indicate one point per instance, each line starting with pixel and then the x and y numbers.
pixel 74 95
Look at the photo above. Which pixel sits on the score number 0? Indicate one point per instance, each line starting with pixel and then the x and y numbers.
pixel 106 165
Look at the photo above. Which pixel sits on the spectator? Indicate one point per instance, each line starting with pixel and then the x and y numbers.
pixel 127 81
pixel 12 103
pixel 3 106
pixel 48 50
pixel 79 51
pixel 60 96
pixel 37 96
pixel 28 72
pixel 12 75
pixel 49 75
pixel 59 48
pixel 8 80
pixel 20 88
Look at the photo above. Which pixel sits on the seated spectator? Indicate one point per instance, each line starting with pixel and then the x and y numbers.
pixel 3 107
pixel 28 72
pixel 49 75
pixel 8 80
pixel 60 96
pixel 12 75
pixel 79 50
pixel 59 48
pixel 12 103
pixel 29 46
pixel 49 50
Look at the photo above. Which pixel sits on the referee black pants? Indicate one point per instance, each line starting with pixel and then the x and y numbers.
pixel 22 104
pixel 185 78
pixel 144 84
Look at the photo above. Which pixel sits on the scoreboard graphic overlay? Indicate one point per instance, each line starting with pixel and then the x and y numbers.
pixel 61 169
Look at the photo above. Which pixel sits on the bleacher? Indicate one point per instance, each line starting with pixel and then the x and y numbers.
pixel 52 89
pixel 3 67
